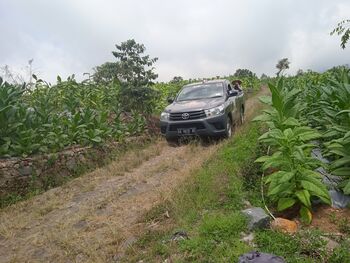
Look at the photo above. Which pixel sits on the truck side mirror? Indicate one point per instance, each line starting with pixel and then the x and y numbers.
pixel 233 93
pixel 170 100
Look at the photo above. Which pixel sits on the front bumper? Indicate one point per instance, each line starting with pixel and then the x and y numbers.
pixel 211 126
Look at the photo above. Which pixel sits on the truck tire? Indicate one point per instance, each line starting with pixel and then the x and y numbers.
pixel 241 116
pixel 228 129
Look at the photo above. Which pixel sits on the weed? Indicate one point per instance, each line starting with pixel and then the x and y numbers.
pixel 344 226
pixel 300 248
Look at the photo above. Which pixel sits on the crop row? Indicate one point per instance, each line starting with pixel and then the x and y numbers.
pixel 307 111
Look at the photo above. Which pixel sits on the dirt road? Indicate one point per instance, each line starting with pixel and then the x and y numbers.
pixel 94 217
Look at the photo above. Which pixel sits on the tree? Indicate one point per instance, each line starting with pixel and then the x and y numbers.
pixel 134 72
pixel 105 73
pixel 244 73
pixel 176 80
pixel 300 72
pixel 264 76
pixel 132 67
pixel 343 29
pixel 282 65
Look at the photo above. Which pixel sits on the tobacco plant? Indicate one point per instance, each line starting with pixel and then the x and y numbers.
pixel 294 183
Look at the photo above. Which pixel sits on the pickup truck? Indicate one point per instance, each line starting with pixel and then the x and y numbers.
pixel 205 109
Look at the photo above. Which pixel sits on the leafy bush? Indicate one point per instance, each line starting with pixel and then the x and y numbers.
pixel 51 117
pixel 294 182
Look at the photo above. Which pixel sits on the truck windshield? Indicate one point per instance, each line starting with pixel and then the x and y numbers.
pixel 201 91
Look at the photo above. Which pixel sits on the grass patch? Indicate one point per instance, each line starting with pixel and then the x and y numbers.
pixel 206 207
pixel 305 246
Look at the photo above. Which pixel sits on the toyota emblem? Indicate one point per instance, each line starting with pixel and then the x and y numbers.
pixel 185 116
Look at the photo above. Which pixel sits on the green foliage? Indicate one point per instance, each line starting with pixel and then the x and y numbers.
pixel 295 182
pixel 106 73
pixel 343 29
pixel 134 72
pixel 244 73
pixel 327 98
pixel 176 79
pixel 132 67
pixel 51 117
pixel 305 246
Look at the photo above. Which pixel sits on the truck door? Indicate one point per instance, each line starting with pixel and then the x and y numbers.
pixel 232 102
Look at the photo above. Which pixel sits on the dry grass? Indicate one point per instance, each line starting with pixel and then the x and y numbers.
pixel 96 216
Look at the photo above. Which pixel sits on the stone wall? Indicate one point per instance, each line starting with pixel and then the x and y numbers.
pixel 18 176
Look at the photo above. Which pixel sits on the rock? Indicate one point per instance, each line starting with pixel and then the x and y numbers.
pixel 339 200
pixel 284 225
pixel 257 218
pixel 258 257
pixel 25 170
pixel 331 244
pixel 71 164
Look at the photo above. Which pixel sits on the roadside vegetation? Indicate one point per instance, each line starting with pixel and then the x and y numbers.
pixel 307 112
pixel 202 222
pixel 115 102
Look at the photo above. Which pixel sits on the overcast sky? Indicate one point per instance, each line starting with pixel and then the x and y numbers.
pixel 191 38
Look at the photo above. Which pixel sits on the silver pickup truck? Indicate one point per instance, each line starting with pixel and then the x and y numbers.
pixel 208 108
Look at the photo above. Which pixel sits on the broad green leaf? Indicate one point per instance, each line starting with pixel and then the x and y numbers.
pixel 280 188
pixel 277 176
pixel 284 203
pixel 347 188
pixel 342 171
pixel 263 159
pixel 262 117
pixel 305 214
pixel 340 162
pixel 304 197
pixel 287 176
pixel 291 122
pixel 266 99
pixel 314 189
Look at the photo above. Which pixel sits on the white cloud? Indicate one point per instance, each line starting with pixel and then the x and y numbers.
pixel 190 38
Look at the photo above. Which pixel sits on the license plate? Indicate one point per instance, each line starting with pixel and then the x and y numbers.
pixel 187 131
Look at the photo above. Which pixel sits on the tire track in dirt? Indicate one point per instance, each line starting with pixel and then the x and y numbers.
pixel 94 217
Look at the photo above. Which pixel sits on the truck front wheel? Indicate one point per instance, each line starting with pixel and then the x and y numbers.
pixel 228 130
pixel 241 116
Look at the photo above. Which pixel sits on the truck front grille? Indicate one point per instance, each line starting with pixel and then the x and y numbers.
pixel 192 115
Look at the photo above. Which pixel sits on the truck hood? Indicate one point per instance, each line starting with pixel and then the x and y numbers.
pixel 194 105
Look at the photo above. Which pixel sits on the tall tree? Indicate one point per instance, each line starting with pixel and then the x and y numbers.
pixel 135 73
pixel 244 73
pixel 105 73
pixel 133 67
pixel 176 79
pixel 282 64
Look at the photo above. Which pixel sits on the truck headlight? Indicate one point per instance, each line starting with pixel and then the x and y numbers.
pixel 215 111
pixel 164 116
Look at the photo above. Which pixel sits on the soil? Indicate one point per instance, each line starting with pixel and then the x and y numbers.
pixel 330 220
pixel 95 217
